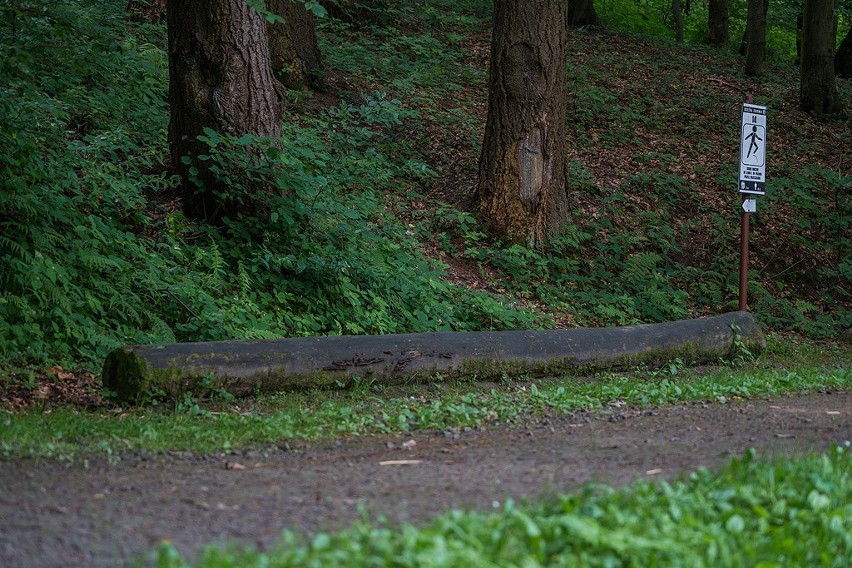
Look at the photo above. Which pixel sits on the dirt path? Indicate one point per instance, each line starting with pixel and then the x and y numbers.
pixel 52 514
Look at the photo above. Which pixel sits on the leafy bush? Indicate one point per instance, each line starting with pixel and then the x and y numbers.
pixel 76 126
pixel 331 257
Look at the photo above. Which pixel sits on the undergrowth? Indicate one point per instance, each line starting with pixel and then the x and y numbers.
pixel 95 253
pixel 220 424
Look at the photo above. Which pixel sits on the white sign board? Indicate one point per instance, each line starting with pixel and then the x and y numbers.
pixel 753 149
pixel 750 205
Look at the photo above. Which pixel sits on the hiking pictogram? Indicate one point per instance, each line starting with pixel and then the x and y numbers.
pixel 752 137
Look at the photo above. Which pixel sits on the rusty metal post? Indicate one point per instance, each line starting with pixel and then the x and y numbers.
pixel 744 261
pixel 744 248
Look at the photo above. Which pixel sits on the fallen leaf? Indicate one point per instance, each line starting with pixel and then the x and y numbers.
pixel 59 373
pixel 408 445
pixel 234 465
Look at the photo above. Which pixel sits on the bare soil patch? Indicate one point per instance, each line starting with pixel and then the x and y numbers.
pixel 99 514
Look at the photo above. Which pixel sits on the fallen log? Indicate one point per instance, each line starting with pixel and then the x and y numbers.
pixel 135 373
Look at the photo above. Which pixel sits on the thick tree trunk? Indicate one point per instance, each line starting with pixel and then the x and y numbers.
pixel 522 169
pixel 717 22
pixel 843 59
pixel 818 92
pixel 756 41
pixel 582 13
pixel 246 367
pixel 293 51
pixel 219 78
pixel 744 41
pixel 677 12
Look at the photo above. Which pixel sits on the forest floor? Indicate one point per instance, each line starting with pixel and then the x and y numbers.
pixel 96 513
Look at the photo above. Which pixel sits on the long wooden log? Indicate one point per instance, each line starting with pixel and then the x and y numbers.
pixel 245 367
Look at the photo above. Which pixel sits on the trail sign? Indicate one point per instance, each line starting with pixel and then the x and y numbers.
pixel 749 205
pixel 753 149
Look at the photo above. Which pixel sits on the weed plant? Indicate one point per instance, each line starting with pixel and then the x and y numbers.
pixel 220 424
pixel 751 513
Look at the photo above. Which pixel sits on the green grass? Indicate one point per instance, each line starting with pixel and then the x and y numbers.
pixel 363 409
pixel 751 513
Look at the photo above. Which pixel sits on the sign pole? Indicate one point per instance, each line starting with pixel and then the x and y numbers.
pixel 752 179
pixel 744 247
pixel 744 259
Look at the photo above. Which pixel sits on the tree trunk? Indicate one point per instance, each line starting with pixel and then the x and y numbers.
pixel 818 92
pixel 756 41
pixel 219 78
pixel 293 51
pixel 843 59
pixel 522 168
pixel 677 12
pixel 744 41
pixel 582 13
pixel 717 22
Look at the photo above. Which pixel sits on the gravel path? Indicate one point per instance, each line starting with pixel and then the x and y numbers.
pixel 98 514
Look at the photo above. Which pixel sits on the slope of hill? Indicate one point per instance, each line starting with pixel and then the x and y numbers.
pixel 378 232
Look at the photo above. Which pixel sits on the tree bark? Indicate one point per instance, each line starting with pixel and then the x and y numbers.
pixel 756 41
pixel 293 51
pixel 677 12
pixel 744 41
pixel 582 13
pixel 522 167
pixel 843 58
pixel 717 22
pixel 818 93
pixel 246 367
pixel 219 78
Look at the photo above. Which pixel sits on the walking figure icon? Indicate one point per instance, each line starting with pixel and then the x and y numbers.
pixel 753 149
pixel 753 137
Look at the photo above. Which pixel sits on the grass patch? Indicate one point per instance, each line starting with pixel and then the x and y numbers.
pixel 752 513
pixel 223 426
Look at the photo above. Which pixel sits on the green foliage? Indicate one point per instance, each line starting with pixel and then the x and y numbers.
pixel 210 422
pixel 330 257
pixel 78 109
pixel 95 254
pixel 752 512
pixel 823 226
pixel 600 272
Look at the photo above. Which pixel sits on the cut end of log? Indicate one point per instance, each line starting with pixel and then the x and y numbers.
pixel 125 374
